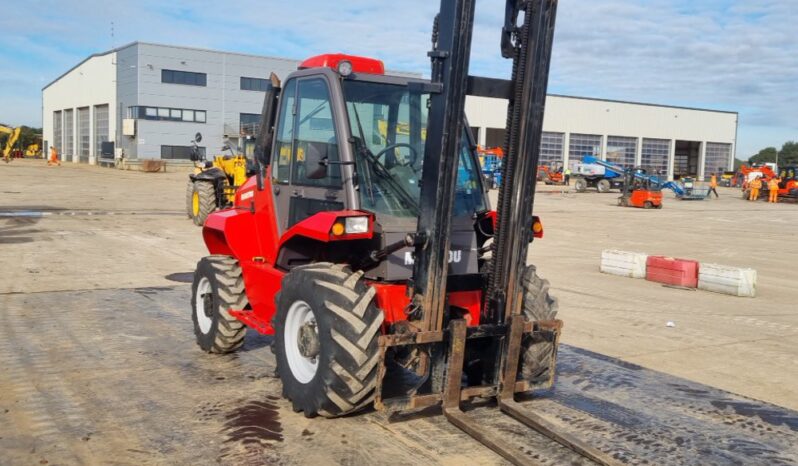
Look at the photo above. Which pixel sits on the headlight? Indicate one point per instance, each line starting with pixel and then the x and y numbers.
pixel 356 225
pixel 344 68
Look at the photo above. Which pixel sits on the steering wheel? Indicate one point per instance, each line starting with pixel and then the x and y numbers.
pixel 414 154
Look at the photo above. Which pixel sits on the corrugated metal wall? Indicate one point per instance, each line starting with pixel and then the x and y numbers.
pixel 84 141
pixel 69 134
pixel 100 128
pixel 57 131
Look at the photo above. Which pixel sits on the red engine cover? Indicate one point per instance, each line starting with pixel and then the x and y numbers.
pixel 671 271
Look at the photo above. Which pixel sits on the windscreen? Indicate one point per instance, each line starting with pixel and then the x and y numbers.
pixel 389 126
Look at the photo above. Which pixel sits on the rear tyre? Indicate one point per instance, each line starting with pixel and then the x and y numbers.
pixel 603 186
pixel 537 353
pixel 580 184
pixel 648 205
pixel 218 287
pixel 326 330
pixel 206 198
pixel 190 199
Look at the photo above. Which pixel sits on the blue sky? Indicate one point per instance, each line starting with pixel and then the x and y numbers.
pixel 728 55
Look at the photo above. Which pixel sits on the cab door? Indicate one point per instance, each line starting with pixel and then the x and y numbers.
pixel 312 127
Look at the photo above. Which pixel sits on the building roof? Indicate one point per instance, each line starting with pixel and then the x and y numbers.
pixel 643 103
pixel 100 54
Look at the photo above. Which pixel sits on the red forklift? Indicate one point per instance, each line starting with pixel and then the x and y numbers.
pixel 639 190
pixel 374 258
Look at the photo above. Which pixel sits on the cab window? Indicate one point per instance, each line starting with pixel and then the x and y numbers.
pixel 315 130
pixel 284 135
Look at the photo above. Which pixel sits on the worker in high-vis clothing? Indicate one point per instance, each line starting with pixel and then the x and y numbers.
pixel 755 185
pixel 713 185
pixel 567 176
pixel 53 160
pixel 773 190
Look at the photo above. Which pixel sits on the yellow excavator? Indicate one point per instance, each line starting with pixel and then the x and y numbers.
pixel 213 184
pixel 13 137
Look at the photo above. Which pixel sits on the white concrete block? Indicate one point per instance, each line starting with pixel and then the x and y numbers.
pixel 735 281
pixel 623 263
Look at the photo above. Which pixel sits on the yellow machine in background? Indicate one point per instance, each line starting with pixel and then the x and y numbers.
pixel 13 136
pixel 213 184
pixel 33 150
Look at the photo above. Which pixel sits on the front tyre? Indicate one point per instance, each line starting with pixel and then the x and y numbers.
pixel 537 353
pixel 603 186
pixel 326 330
pixel 580 185
pixel 218 287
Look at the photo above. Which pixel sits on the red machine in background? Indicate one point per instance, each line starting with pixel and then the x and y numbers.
pixel 549 176
pixel 788 180
pixel 639 191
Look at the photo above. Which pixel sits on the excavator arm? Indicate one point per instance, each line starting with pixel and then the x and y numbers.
pixel 11 141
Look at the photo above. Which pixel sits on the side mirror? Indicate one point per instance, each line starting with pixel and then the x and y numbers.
pixel 225 147
pixel 316 161
pixel 198 137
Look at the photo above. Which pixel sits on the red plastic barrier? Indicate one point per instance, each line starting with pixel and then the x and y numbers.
pixel 671 271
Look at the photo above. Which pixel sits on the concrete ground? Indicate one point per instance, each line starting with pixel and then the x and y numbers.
pixel 74 238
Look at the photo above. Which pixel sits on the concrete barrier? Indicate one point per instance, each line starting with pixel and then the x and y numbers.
pixel 623 263
pixel 672 271
pixel 734 281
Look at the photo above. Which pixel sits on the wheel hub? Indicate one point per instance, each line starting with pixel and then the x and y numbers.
pixel 195 203
pixel 207 304
pixel 308 340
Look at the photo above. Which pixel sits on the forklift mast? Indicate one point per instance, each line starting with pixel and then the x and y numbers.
pixel 529 45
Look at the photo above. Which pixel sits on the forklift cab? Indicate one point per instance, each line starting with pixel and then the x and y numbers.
pixel 348 137
pixel 639 190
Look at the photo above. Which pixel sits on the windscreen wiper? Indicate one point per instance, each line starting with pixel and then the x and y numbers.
pixel 380 169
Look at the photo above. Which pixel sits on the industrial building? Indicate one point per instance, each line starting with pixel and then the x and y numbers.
pixel 147 101
pixel 665 140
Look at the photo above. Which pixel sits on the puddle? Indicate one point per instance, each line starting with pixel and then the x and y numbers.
pixel 256 422
pixel 774 417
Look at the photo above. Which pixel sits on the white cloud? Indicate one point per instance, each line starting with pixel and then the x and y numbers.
pixel 714 53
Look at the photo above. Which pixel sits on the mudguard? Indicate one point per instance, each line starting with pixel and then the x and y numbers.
pixel 211 174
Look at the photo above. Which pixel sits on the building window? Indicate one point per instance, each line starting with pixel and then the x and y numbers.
pixel 580 145
pixel 551 149
pixel 654 157
pixel 622 150
pixel 184 77
pixel 166 114
pixel 717 158
pixel 254 84
pixel 494 137
pixel 249 124
pixel 179 152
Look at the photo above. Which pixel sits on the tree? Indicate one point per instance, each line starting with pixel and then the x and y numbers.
pixel 767 154
pixel 788 155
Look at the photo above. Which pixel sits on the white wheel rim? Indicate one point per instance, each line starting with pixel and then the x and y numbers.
pixel 203 288
pixel 303 368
